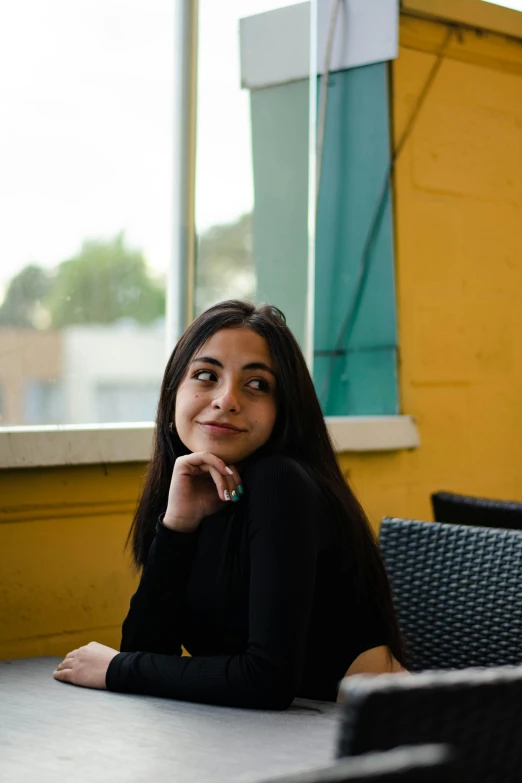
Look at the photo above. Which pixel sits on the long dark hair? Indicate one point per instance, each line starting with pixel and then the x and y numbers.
pixel 299 432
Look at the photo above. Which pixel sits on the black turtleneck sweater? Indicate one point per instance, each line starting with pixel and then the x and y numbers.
pixel 260 595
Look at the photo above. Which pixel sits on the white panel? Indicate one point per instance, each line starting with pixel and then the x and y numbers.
pixel 367 31
pixel 373 433
pixel 275 46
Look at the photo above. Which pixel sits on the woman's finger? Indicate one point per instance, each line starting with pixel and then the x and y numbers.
pixel 62 674
pixel 67 663
pixel 232 488
pixel 202 460
pixel 226 486
pixel 229 483
pixel 221 483
pixel 72 654
pixel 235 485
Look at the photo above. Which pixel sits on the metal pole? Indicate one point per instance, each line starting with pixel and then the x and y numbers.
pixel 312 188
pixel 180 279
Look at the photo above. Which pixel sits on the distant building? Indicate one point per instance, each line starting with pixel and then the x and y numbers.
pixel 81 374
pixel 31 365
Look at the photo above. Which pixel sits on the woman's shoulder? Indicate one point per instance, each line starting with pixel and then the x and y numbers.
pixel 283 472
pixel 283 497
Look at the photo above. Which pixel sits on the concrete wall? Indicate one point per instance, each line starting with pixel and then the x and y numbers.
pixel 63 577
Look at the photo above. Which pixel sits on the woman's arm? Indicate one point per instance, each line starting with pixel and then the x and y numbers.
pixel 197 489
pixel 378 660
pixel 283 508
pixel 153 621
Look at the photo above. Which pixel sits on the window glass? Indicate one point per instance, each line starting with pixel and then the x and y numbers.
pixel 355 355
pixel 85 199
pixel 516 5
pixel 251 171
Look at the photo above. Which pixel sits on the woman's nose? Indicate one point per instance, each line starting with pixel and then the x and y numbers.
pixel 228 400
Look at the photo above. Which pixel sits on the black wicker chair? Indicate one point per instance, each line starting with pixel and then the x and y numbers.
pixel 467 510
pixel 478 712
pixel 426 763
pixel 457 592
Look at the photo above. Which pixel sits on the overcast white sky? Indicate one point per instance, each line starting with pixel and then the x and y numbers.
pixel 86 124
pixel 515 4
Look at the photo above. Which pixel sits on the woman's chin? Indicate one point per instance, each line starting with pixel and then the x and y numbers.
pixel 227 454
pixel 230 456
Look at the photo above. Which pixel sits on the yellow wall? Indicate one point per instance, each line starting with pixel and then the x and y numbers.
pixel 64 579
pixel 458 213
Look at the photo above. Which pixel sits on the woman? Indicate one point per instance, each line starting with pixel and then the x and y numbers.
pixel 256 556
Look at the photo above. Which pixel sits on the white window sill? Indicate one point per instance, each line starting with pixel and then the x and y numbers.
pixel 31 447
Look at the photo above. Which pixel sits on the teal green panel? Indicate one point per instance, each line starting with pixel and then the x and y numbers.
pixel 280 220
pixel 361 379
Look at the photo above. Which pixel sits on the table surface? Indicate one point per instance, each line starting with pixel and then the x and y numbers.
pixel 51 731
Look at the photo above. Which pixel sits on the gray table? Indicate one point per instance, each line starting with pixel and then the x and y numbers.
pixel 52 731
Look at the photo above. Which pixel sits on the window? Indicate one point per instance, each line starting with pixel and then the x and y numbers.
pixel 132 400
pixel 85 198
pixel 354 319
pixel 43 402
pixel 243 250
pixel 87 164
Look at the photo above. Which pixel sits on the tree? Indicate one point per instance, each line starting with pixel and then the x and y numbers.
pixel 105 281
pixel 24 296
pixel 224 268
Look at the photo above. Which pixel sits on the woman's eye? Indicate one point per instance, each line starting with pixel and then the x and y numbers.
pixel 205 375
pixel 259 385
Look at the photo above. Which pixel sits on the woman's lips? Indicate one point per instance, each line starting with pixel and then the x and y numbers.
pixel 215 428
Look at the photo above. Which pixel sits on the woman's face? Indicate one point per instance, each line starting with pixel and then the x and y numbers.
pixel 226 403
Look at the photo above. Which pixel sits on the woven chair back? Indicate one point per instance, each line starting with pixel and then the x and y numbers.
pixel 466 510
pixel 477 712
pixel 457 591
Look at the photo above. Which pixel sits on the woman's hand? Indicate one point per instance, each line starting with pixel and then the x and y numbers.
pixel 201 483
pixel 87 666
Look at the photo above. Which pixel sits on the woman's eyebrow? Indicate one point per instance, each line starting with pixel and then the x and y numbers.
pixel 259 366
pixel 208 360
pixel 250 366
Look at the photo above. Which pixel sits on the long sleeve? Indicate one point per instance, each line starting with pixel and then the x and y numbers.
pixel 153 621
pixel 283 509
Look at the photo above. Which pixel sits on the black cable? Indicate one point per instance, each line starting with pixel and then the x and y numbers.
pixel 364 267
